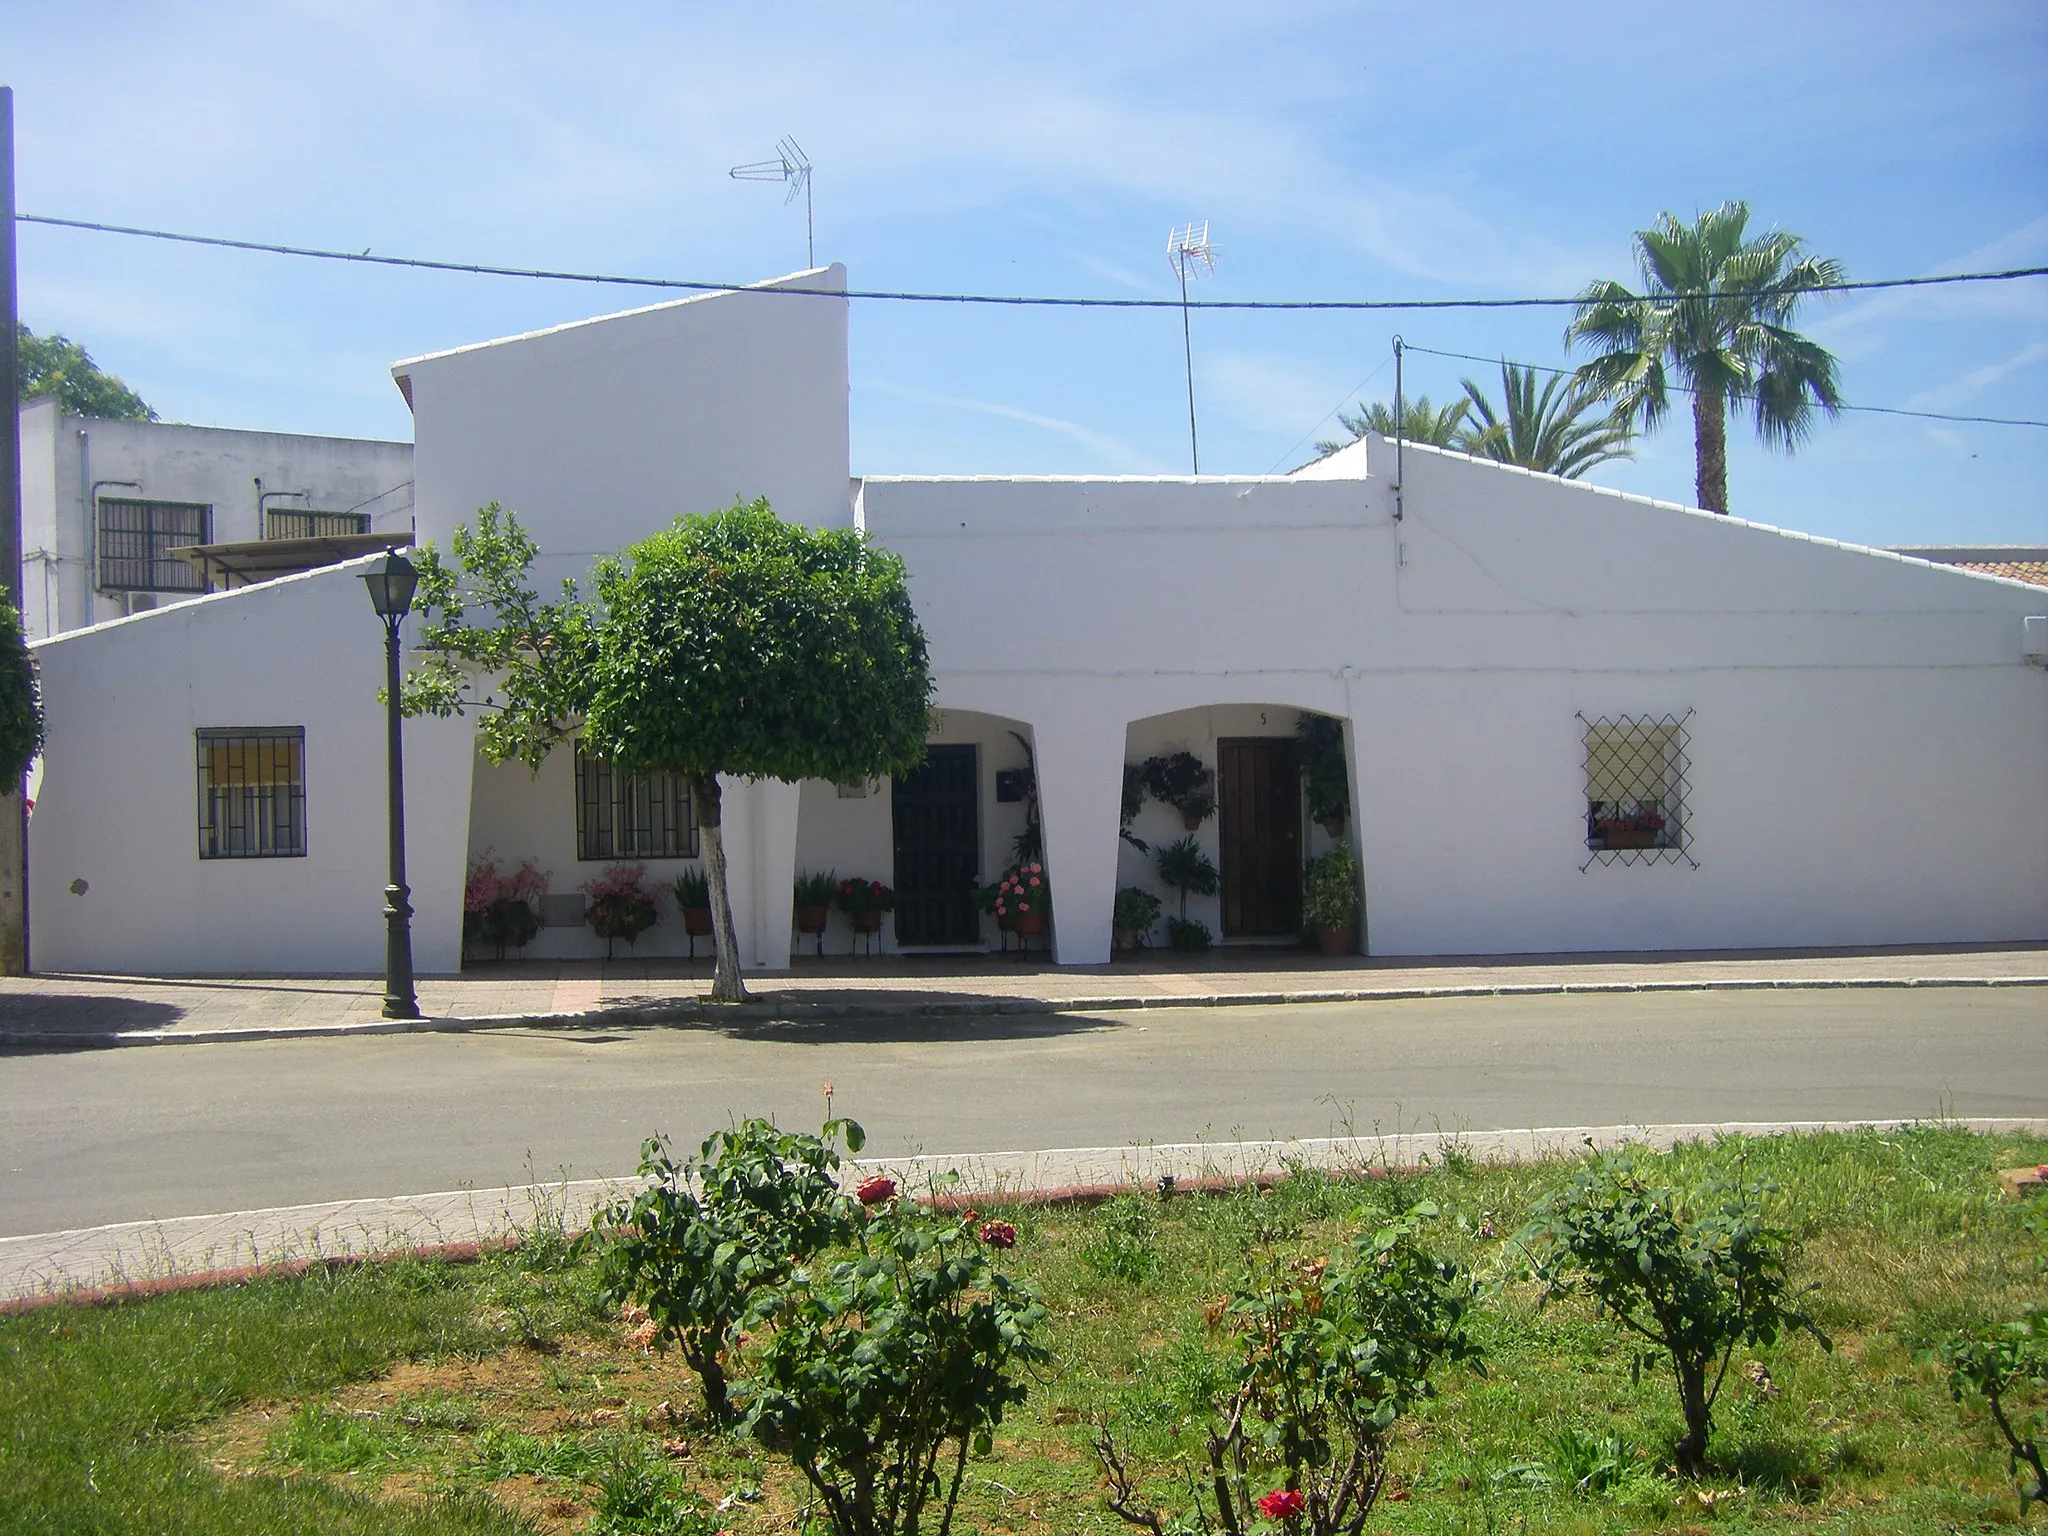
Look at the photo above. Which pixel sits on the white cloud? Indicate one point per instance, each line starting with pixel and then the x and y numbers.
pixel 1113 452
pixel 1958 392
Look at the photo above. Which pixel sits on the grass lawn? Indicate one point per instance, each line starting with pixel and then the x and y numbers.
pixel 501 1396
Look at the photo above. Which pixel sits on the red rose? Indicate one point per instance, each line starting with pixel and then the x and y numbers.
pixel 876 1191
pixel 999 1234
pixel 1281 1504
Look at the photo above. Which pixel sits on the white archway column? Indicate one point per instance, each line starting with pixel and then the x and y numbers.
pixel 760 851
pixel 1080 794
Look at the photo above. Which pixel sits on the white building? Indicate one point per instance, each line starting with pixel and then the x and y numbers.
pixel 103 504
pixel 1574 720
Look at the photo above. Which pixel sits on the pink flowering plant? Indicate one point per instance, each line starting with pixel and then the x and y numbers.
pixel 501 907
pixel 1025 891
pixel 621 904
pixel 1330 1353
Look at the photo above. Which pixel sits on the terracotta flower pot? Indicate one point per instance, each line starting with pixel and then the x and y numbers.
pixel 1126 939
pixel 812 919
pixel 1191 821
pixel 1334 825
pixel 1030 924
pixel 866 922
pixel 696 921
pixel 1007 921
pixel 1336 941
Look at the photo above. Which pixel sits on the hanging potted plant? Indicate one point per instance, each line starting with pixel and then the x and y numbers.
pixel 1329 899
pixel 864 902
pixel 500 909
pixel 1325 775
pixel 1181 780
pixel 1025 896
pixel 693 901
pixel 814 892
pixel 619 904
pixel 1136 910
pixel 1184 866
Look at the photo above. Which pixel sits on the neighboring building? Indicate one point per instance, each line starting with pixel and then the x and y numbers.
pixel 105 505
pixel 1574 720
pixel 2015 562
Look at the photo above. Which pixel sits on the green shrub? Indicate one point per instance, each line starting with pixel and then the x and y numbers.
pixel 1329 889
pixel 2000 1362
pixel 1188 934
pixel 21 708
pixel 1324 772
pixel 693 890
pixel 1122 1241
pixel 1691 1271
pixel 1137 909
pixel 816 888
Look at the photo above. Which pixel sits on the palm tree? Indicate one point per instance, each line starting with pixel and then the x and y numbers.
pixel 1714 312
pixel 1544 431
pixel 1421 422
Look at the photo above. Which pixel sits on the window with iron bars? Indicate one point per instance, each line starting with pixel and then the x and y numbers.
pixel 1636 790
pixel 306 524
pixel 252 792
pixel 136 538
pixel 631 815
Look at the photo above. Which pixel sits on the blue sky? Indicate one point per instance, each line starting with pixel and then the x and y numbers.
pixel 1339 151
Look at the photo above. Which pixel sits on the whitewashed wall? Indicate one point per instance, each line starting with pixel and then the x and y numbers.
pixel 64 456
pixel 116 881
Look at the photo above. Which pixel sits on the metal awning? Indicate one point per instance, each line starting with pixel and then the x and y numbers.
pixel 224 566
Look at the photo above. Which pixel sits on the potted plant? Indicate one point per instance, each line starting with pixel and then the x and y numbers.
pixel 1184 866
pixel 1329 899
pixel 1616 827
pixel 620 904
pixel 1137 909
pixel 813 893
pixel 1181 780
pixel 1325 775
pixel 864 902
pixel 500 909
pixel 693 901
pixel 1134 802
pixel 1025 896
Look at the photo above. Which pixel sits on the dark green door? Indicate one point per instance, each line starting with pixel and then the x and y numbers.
pixel 938 848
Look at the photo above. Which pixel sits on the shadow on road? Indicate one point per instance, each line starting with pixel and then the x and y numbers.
pixel 75 1021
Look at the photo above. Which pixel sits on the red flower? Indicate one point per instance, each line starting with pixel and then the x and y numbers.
pixel 1281 1504
pixel 999 1234
pixel 876 1191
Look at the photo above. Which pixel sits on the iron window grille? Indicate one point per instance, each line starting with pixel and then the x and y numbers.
pixel 290 524
pixel 252 792
pixel 632 815
pixel 1636 790
pixel 136 538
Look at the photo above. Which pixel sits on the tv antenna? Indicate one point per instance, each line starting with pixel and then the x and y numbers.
pixel 793 166
pixel 1190 254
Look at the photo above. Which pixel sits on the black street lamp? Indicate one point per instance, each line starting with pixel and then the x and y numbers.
pixel 391 588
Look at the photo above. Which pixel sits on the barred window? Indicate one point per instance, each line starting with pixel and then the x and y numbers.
pixel 1636 790
pixel 631 815
pixel 294 523
pixel 136 538
pixel 252 792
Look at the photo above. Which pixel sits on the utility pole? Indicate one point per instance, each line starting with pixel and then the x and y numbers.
pixel 13 804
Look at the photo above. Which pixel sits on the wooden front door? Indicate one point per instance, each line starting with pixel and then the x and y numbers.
pixel 1258 790
pixel 937 809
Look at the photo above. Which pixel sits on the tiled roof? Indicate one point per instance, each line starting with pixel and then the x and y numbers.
pixel 2035 571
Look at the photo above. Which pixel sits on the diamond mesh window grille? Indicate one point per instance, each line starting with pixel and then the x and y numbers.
pixel 1636 790
pixel 632 815
pixel 252 792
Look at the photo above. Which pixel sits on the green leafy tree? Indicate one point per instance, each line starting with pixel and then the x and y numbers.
pixel 737 643
pixel 1692 1272
pixel 709 1233
pixel 1421 422
pixel 59 367
pixel 21 708
pixel 2006 1363
pixel 1714 317
pixel 1548 429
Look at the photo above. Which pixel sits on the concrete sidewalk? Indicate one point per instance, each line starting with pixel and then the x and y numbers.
pixel 72 1011
pixel 146 1257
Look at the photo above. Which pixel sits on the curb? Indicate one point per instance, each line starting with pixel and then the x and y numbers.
pixel 695 1011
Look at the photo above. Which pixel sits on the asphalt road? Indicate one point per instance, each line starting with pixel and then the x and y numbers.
pixel 89 1137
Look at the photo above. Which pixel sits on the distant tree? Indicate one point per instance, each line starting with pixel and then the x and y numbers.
pixel 1715 311
pixel 59 367
pixel 21 712
pixel 1545 430
pixel 1421 422
pixel 736 643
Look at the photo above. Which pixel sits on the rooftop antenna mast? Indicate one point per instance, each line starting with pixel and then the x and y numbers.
pixel 1190 254
pixel 792 166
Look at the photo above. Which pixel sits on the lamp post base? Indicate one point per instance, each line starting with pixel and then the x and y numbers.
pixel 399 1001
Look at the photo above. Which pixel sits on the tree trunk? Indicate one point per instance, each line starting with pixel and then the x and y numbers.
pixel 1710 444
pixel 726 985
pixel 1691 1451
pixel 711 1374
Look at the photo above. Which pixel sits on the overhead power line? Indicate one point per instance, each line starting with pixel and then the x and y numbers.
pixel 485 269
pixel 1680 389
